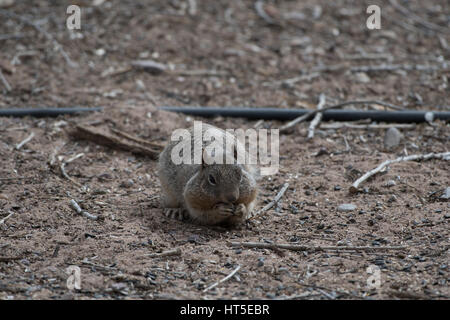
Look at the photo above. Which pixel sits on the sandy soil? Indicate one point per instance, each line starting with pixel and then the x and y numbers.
pixel 43 235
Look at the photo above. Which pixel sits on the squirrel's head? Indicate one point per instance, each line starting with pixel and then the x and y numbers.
pixel 220 181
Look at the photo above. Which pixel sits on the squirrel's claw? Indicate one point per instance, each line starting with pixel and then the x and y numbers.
pixel 175 213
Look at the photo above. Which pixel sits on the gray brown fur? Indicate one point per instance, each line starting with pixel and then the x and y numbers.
pixel 188 193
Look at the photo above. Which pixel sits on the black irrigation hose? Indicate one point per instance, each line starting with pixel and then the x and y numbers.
pixel 290 114
pixel 253 113
pixel 44 112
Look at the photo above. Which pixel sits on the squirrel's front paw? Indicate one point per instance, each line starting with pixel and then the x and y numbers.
pixel 225 209
pixel 240 210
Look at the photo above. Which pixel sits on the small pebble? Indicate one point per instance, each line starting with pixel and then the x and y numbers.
pixel 150 66
pixel 362 77
pixel 392 138
pixel 127 184
pixel 390 183
pixel 393 198
pixel 293 209
pixel 119 286
pixel 346 207
pixel 260 262
pixel 446 194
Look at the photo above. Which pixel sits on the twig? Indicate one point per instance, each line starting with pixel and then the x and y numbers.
pixel 310 248
pixel 421 21
pixel 26 140
pixel 16 178
pixel 5 218
pixel 97 266
pixel 347 146
pixel 113 73
pixel 77 208
pixel 407 295
pixel 443 43
pixel 7 259
pixel 297 296
pixel 65 175
pixel 317 117
pixel 11 36
pixel 311 113
pixel 304 117
pixel 444 155
pixel 258 124
pixel 135 139
pixel 192 10
pixel 326 294
pixel 273 202
pixel 74 158
pixel 368 56
pixel 404 24
pixel 259 7
pixel 5 82
pixel 338 125
pixel 291 81
pixel 394 67
pixel 194 73
pixel 174 252
pixel 381 67
pixel 63 169
pixel 224 279
pixel 381 103
pixel 94 135
pixel 45 33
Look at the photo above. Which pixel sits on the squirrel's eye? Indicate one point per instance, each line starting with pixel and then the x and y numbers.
pixel 212 180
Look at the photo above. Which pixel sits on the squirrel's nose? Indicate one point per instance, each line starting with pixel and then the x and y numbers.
pixel 231 198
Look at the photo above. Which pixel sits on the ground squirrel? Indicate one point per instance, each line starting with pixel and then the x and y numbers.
pixel 207 193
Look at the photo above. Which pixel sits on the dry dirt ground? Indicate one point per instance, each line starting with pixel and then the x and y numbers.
pixel 247 55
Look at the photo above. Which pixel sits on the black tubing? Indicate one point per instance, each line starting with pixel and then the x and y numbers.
pixel 290 114
pixel 44 112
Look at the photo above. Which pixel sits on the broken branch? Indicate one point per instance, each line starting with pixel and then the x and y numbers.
pixel 5 218
pixel 294 247
pixel 5 82
pixel 444 155
pixel 174 252
pixel 317 117
pixel 26 140
pixel 223 280
pixel 273 202
pixel 77 208
pixel 45 33
pixel 96 136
